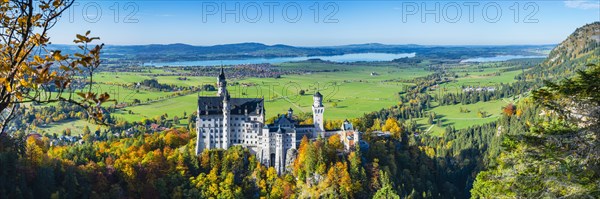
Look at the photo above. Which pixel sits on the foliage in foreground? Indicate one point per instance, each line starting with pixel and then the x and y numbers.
pixel 163 165
pixel 558 157
pixel 32 73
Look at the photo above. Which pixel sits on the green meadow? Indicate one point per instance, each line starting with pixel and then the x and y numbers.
pixel 451 116
pixel 76 127
pixel 349 91
pixel 347 94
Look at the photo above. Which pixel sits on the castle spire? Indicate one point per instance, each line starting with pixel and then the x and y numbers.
pixel 222 75
pixel 222 84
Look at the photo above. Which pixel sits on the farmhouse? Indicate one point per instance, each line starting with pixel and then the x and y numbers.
pixel 479 89
pixel 223 122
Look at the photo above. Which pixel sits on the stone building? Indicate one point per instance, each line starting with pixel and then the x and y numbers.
pixel 224 121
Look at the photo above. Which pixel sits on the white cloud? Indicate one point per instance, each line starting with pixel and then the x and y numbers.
pixel 583 4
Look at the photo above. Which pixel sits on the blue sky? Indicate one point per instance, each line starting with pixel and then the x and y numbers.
pixel 337 23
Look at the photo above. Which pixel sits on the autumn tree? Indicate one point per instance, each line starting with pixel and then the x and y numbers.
pixel 391 125
pixel 299 161
pixel 33 152
pixel 31 72
pixel 339 180
pixel 509 109
pixel 376 125
pixel 334 142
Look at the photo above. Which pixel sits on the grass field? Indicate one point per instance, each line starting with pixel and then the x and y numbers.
pixel 76 127
pixel 121 93
pixel 354 92
pixel 451 115
pixel 129 78
pixel 173 107
pixel 477 79
pixel 348 93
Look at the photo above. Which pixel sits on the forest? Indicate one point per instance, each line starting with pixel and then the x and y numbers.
pixel 162 165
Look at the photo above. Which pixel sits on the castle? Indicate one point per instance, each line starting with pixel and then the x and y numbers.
pixel 224 121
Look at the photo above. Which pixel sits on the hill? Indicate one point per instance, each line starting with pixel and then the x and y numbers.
pixel 578 50
pixel 185 52
pixel 549 158
pixel 581 45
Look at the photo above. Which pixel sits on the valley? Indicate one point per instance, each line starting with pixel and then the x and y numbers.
pixel 164 104
pixel 350 90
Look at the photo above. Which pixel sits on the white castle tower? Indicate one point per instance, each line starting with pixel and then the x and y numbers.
pixel 318 110
pixel 222 83
pixel 199 140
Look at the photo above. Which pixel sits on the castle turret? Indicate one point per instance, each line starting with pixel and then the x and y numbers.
pixel 356 140
pixel 347 126
pixel 317 99
pixel 279 152
pixel 226 113
pixel 318 110
pixel 221 83
pixel 199 140
pixel 208 137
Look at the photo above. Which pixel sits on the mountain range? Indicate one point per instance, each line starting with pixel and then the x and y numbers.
pixel 185 52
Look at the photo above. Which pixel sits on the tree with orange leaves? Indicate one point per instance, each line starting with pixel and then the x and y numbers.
pixel 509 109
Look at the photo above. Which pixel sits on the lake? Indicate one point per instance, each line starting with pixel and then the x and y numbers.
pixel 353 57
pixel 500 58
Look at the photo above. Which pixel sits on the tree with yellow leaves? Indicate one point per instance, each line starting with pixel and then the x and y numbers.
pixel 30 72
pixel 376 125
pixel 33 152
pixel 339 180
pixel 391 125
pixel 299 161
pixel 334 142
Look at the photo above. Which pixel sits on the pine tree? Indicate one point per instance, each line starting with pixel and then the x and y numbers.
pixel 558 157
